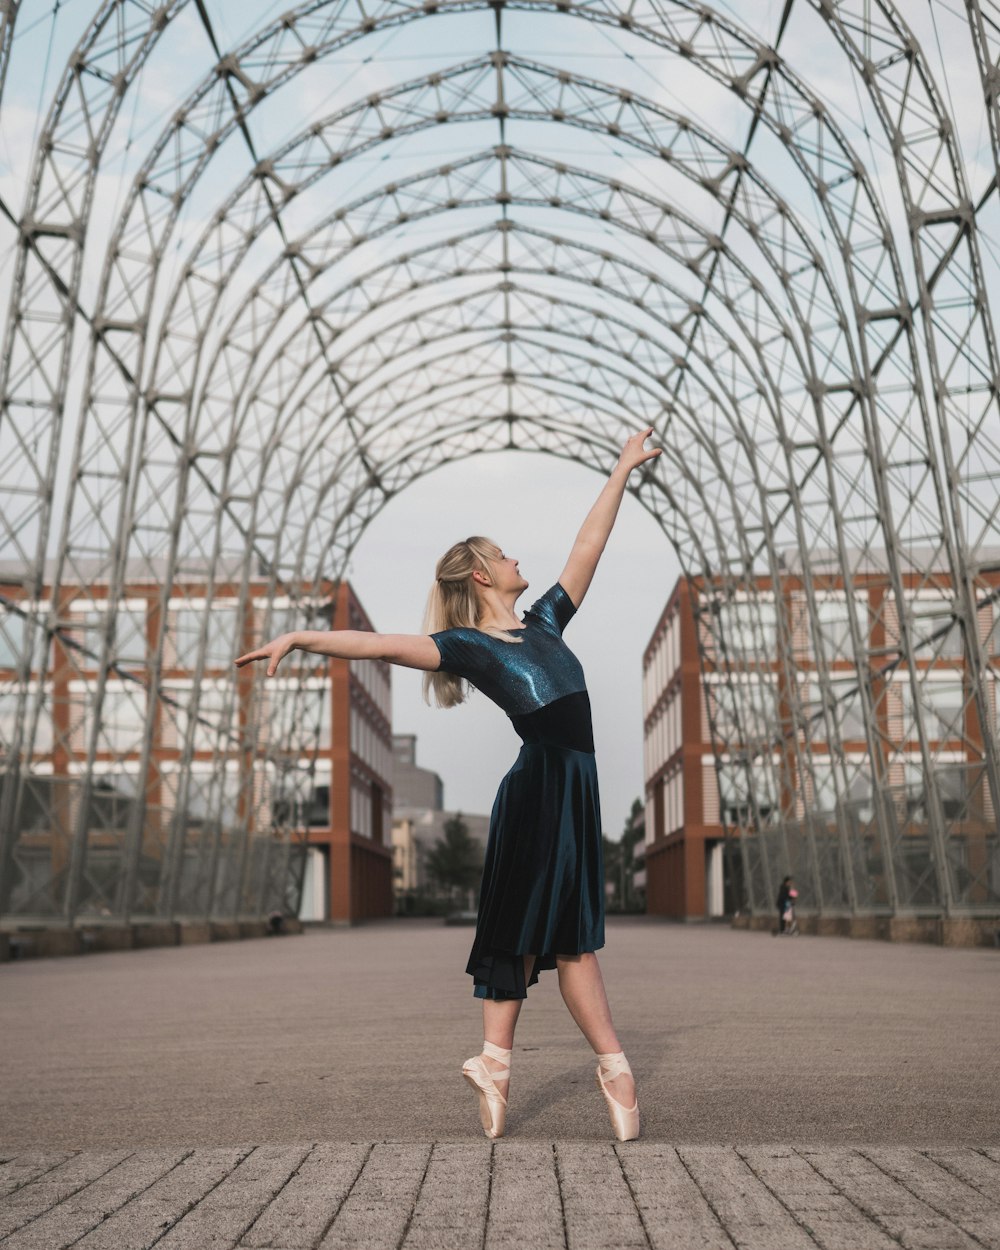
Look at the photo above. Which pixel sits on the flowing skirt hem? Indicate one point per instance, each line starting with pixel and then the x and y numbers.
pixel 500 974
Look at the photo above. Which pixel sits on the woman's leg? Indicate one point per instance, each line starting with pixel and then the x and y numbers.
pixel 582 988
pixel 499 1020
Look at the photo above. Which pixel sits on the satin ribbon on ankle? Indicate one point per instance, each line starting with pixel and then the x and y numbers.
pixel 614 1064
pixel 496 1052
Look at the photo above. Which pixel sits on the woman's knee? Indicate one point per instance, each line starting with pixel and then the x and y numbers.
pixel 584 957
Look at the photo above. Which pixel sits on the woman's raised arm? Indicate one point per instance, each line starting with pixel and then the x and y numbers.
pixel 410 650
pixel 593 536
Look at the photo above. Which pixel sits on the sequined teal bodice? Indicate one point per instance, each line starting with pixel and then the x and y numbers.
pixel 538 682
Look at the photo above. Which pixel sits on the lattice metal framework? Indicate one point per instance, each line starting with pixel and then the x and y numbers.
pixel 196 384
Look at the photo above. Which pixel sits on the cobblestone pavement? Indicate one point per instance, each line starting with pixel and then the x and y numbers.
pixel 452 1195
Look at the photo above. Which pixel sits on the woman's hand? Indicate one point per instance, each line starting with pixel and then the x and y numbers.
pixel 634 454
pixel 274 652
pixel 590 542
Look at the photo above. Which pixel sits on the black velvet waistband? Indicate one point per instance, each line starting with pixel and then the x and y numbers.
pixel 564 722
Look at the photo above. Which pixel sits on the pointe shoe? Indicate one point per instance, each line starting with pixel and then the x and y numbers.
pixel 492 1104
pixel 624 1120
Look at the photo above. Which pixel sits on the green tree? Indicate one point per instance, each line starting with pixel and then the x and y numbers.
pixel 613 872
pixel 455 862
pixel 619 859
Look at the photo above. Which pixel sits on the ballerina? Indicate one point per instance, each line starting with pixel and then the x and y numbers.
pixel 541 900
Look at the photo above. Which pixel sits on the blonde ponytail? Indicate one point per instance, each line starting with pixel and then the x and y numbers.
pixel 453 604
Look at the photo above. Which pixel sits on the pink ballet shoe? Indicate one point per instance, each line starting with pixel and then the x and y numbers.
pixel 624 1120
pixel 492 1104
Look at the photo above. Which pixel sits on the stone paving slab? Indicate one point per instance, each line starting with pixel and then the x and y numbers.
pixel 460 1195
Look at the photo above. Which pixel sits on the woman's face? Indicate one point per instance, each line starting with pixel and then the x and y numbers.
pixel 506 575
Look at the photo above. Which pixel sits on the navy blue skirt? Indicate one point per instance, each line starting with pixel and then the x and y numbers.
pixel 542 891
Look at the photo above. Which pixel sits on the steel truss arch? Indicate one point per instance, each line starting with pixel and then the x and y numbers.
pixel 228 335
pixel 847 404
pixel 295 397
pixel 8 18
pixel 940 204
pixel 725 573
pixel 908 461
pixel 348 505
pixel 293 402
pixel 173 363
pixel 184 115
pixel 281 526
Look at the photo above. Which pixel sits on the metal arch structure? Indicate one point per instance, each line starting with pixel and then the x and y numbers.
pixel 816 349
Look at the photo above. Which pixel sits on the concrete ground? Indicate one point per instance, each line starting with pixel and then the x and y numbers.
pixel 734 1037
pixel 303 1091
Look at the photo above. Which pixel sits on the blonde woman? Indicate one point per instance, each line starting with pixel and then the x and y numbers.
pixel 541 902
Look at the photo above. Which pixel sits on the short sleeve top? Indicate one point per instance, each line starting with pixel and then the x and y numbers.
pixel 519 677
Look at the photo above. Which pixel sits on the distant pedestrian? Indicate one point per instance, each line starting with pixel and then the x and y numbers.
pixel 542 894
pixel 785 907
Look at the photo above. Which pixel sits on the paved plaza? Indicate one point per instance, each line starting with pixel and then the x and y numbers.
pixel 304 1092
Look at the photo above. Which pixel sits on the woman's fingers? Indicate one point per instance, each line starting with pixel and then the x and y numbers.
pixel 634 450
pixel 640 436
pixel 278 653
pixel 272 652
pixel 250 655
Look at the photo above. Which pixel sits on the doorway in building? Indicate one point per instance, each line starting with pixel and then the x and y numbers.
pixel 315 894
pixel 714 897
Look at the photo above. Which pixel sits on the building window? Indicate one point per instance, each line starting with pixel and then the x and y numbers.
pixel 130 634
pixel 953 783
pixel 834 627
pixel 823 785
pixel 744 711
pixel 362 821
pixel 207 721
pixel 318 715
pixel 13 627
pixel 8 712
pixel 377 809
pixel 123 719
pixel 745 629
pixel 220 640
pixel 318 812
pixel 213 796
pixel 13 636
pixel 935 631
pixel 737 782
pixel 846 710
pixel 942 704
pixel 859 788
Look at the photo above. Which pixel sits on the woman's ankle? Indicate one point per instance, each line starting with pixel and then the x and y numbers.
pixel 495 1051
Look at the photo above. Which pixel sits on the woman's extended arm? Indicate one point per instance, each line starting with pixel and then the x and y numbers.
pixel 411 650
pixel 593 536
